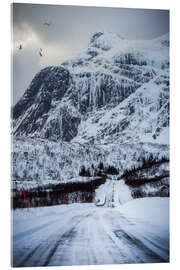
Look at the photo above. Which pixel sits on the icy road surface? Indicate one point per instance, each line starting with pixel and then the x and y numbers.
pixel 82 234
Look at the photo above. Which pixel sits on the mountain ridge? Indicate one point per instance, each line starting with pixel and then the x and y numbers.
pixel 117 90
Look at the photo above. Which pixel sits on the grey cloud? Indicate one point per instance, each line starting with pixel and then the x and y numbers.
pixel 70 32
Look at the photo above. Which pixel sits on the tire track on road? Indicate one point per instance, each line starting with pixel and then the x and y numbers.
pixel 42 254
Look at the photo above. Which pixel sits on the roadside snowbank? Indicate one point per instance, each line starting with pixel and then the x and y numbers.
pixel 122 193
pixel 154 210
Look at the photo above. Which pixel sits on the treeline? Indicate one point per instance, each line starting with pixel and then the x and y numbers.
pixel 57 194
pixel 150 178
pixel 100 170
pixel 135 182
pixel 145 163
pixel 142 194
pixel 158 189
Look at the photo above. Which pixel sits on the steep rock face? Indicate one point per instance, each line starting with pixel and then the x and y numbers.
pixel 143 116
pixel 50 83
pixel 115 91
pixel 94 90
pixel 36 115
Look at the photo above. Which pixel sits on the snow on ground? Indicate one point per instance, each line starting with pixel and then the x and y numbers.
pixel 158 210
pixel 122 192
pixel 84 234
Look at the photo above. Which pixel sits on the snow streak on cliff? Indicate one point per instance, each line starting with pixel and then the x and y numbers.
pixel 115 91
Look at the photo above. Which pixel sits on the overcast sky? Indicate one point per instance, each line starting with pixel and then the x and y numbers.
pixel 69 33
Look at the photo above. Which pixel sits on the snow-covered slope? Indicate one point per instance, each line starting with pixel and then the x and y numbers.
pixel 40 162
pixel 143 116
pixel 115 91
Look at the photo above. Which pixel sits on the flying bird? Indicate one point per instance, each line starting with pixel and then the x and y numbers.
pixel 20 47
pixel 40 52
pixel 47 23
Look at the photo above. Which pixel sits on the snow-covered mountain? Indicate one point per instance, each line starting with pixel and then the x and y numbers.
pixel 117 91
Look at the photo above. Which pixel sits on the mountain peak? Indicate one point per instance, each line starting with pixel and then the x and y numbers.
pixel 95 36
pixel 105 40
pixel 116 90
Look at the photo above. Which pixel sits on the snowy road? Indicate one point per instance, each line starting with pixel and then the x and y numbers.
pixel 113 193
pixel 82 234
